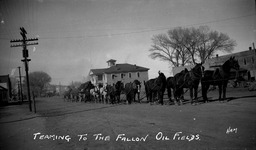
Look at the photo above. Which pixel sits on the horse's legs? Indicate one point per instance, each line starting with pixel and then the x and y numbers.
pixel 147 95
pixel 224 90
pixel 169 92
pixel 150 97
pixel 205 88
pixel 130 98
pixel 111 99
pixel 160 97
pixel 154 96
pixel 99 97
pixel 127 98
pixel 119 98
pixel 220 91
pixel 191 95
pixel 134 96
pixel 180 95
pixel 138 96
pixel 175 95
pixel 195 93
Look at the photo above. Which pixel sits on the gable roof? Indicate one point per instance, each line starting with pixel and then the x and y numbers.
pixel 119 68
pixel 3 88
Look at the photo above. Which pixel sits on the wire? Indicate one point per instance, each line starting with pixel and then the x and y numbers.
pixel 145 30
pixel 141 31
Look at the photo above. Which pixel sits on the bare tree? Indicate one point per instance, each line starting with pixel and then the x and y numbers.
pixel 166 50
pixel 209 42
pixel 178 38
pixel 183 46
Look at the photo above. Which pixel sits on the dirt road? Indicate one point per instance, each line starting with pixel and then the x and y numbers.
pixel 62 125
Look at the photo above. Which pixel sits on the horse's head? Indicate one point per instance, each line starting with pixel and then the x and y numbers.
pixel 198 70
pixel 119 85
pixel 161 80
pixel 233 63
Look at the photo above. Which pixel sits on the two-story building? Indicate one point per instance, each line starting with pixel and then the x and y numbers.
pixel 118 72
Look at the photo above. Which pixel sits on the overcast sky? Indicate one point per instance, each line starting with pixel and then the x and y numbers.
pixel 78 35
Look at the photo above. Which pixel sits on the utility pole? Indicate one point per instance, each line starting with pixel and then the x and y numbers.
pixel 21 93
pixel 24 44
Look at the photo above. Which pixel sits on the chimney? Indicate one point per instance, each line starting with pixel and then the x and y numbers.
pixel 250 48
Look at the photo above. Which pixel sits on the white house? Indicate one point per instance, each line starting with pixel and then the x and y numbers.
pixel 118 72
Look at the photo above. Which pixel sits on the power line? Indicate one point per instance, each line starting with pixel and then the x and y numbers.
pixel 146 30
pixel 140 31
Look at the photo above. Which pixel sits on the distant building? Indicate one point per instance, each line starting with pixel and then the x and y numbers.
pixel 5 89
pixel 60 89
pixel 54 89
pixel 118 72
pixel 246 60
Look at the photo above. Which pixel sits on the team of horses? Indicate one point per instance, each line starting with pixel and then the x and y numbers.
pixel 155 88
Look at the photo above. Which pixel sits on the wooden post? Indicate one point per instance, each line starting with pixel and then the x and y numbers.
pixel 34 101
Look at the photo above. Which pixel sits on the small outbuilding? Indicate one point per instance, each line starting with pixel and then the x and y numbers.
pixel 5 89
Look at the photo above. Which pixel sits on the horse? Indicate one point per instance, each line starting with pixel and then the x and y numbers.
pixel 111 93
pixel 155 87
pixel 95 93
pixel 85 90
pixel 74 93
pixel 129 92
pixel 170 86
pixel 67 94
pixel 131 89
pixel 147 86
pixel 119 87
pixel 137 90
pixel 219 77
pixel 103 93
pixel 188 79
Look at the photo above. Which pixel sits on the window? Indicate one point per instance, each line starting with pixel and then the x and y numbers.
pixel 100 77
pixel 113 76
pixel 122 75
pixel 138 74
pixel 130 75
pixel 244 61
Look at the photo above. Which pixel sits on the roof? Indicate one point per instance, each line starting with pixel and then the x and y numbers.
pixel 119 68
pixel 3 88
pixel 111 60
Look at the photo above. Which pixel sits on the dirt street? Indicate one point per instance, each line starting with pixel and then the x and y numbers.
pixel 60 125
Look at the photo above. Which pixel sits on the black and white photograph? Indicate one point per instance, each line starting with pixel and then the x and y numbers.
pixel 127 74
